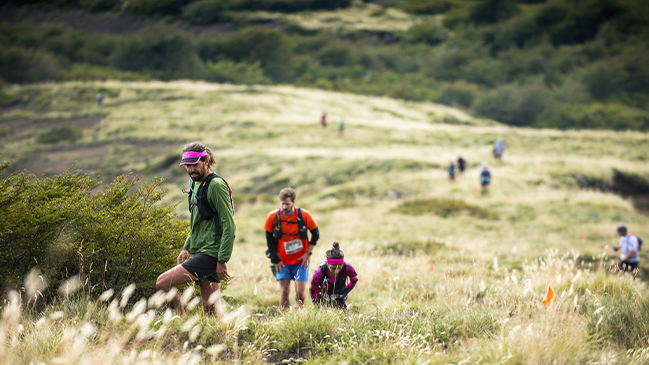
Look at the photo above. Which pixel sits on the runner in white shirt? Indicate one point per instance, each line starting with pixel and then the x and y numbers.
pixel 630 248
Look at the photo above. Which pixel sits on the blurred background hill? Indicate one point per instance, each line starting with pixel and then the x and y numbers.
pixel 568 64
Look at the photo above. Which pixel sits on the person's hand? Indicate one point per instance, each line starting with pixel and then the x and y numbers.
pixel 279 266
pixel 184 254
pixel 306 258
pixel 615 248
pixel 222 271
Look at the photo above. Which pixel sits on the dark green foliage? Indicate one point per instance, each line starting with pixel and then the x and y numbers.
pixel 157 7
pixel 428 33
pixel 236 73
pixel 20 65
pixel 95 6
pixel 492 11
pixel 427 6
pixel 288 6
pixel 112 238
pixel 169 52
pixel 458 94
pixel 514 105
pixel 204 11
pixel 60 134
pixel 596 116
pixel 443 207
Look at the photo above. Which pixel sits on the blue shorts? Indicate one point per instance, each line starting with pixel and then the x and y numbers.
pixel 293 272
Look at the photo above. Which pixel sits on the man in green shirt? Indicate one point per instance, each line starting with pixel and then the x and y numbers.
pixel 211 236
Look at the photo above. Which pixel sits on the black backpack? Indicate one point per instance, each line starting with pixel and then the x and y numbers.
pixel 301 226
pixel 204 208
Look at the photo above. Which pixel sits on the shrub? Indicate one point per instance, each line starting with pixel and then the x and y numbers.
pixel 596 116
pixel 95 6
pixel 170 52
pixel 237 73
pixel 337 54
pixel 204 11
pixel 112 238
pixel 428 33
pixel 513 104
pixel 427 6
pixel 157 7
pixel 443 207
pixel 19 65
pixel 492 11
pixel 458 94
pixel 288 5
pixel 603 81
pixel 60 134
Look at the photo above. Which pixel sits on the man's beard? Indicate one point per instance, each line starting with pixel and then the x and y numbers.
pixel 201 175
pixel 287 212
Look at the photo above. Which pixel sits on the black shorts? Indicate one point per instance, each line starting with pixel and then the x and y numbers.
pixel 203 266
pixel 630 266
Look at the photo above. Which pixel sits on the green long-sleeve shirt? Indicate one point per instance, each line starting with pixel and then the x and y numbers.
pixel 204 235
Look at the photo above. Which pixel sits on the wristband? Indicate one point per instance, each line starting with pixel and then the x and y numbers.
pixel 221 261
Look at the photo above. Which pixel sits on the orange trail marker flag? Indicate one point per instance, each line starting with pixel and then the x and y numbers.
pixel 549 297
pixel 606 246
pixel 431 268
pixel 385 275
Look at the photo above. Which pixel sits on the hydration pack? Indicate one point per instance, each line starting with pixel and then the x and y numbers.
pixel 301 226
pixel 204 208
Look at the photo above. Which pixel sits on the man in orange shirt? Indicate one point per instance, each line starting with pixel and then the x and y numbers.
pixel 289 246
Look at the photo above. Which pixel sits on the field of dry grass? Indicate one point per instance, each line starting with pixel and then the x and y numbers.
pixel 452 287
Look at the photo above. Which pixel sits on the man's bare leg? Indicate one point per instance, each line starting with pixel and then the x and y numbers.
pixel 171 279
pixel 300 292
pixel 284 291
pixel 211 296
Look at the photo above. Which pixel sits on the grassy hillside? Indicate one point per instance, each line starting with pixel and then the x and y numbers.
pixel 446 274
pixel 547 64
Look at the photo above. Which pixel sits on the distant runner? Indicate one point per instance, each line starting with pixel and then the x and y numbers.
pixel 630 247
pixel 100 99
pixel 451 171
pixel 461 165
pixel 329 285
pixel 485 177
pixel 289 246
pixel 341 128
pixel 211 236
pixel 499 148
pixel 323 120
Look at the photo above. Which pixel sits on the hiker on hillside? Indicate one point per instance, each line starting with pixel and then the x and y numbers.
pixel 461 165
pixel 499 148
pixel 485 177
pixel 341 128
pixel 329 285
pixel 211 236
pixel 289 246
pixel 451 171
pixel 323 120
pixel 100 99
pixel 630 247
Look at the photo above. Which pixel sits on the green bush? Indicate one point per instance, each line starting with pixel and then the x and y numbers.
pixel 288 6
pixel 95 6
pixel 237 73
pixel 427 6
pixel 513 104
pixel 443 207
pixel 458 94
pixel 337 54
pixel 602 81
pixel 204 11
pixel 169 52
pixel 596 116
pixel 60 134
pixel 492 11
pixel 19 65
pixel 428 33
pixel 111 238
pixel 157 7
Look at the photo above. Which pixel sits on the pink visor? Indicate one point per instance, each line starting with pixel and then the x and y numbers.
pixel 335 261
pixel 191 157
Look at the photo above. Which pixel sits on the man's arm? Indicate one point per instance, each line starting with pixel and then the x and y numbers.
pixel 272 243
pixel 220 195
pixel 315 236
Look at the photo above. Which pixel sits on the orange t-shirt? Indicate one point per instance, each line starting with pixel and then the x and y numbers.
pixel 290 247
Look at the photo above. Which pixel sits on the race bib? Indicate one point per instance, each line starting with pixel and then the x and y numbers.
pixel 294 246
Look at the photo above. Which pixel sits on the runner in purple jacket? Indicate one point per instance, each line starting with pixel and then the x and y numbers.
pixel 329 285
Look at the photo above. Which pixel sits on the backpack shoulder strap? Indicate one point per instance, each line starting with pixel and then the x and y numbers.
pixel 277 226
pixel 209 179
pixel 301 226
